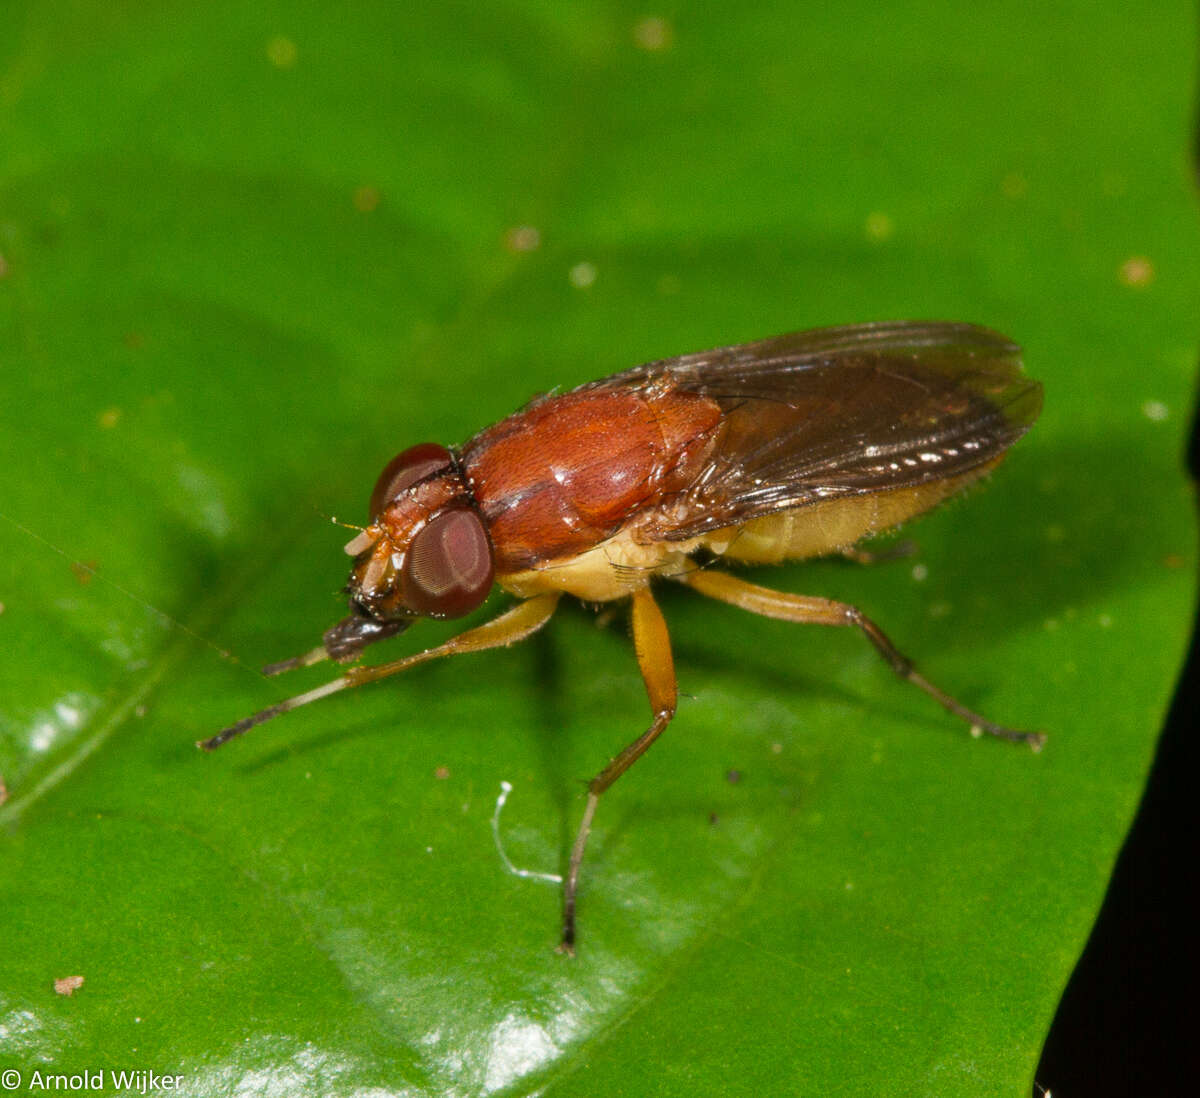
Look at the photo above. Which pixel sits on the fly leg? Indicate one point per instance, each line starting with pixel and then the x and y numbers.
pixel 652 643
pixel 513 625
pixel 808 610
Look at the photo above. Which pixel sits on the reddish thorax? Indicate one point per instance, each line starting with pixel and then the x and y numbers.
pixel 569 471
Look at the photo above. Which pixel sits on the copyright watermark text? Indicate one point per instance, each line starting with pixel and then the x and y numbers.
pixel 137 1082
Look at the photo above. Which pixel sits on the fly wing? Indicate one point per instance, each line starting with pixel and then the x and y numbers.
pixel 839 412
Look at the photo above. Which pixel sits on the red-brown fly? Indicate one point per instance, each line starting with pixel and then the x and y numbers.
pixel 794 447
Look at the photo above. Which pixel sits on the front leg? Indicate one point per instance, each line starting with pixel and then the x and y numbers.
pixel 652 643
pixel 515 624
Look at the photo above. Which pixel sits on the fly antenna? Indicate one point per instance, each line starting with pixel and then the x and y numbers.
pixel 337 521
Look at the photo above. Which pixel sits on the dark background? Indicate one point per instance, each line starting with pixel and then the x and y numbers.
pixel 1126 1025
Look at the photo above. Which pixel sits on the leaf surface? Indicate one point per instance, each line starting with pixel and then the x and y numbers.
pixel 248 253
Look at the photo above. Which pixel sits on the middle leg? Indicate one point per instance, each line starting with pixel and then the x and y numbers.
pixel 652 643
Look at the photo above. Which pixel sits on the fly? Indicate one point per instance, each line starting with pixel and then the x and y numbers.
pixel 790 448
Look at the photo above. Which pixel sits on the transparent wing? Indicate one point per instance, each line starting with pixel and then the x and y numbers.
pixel 841 411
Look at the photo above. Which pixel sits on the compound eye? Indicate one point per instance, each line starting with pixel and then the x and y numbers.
pixel 448 568
pixel 406 469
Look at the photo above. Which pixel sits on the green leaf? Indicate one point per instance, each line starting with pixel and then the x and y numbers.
pixel 249 252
